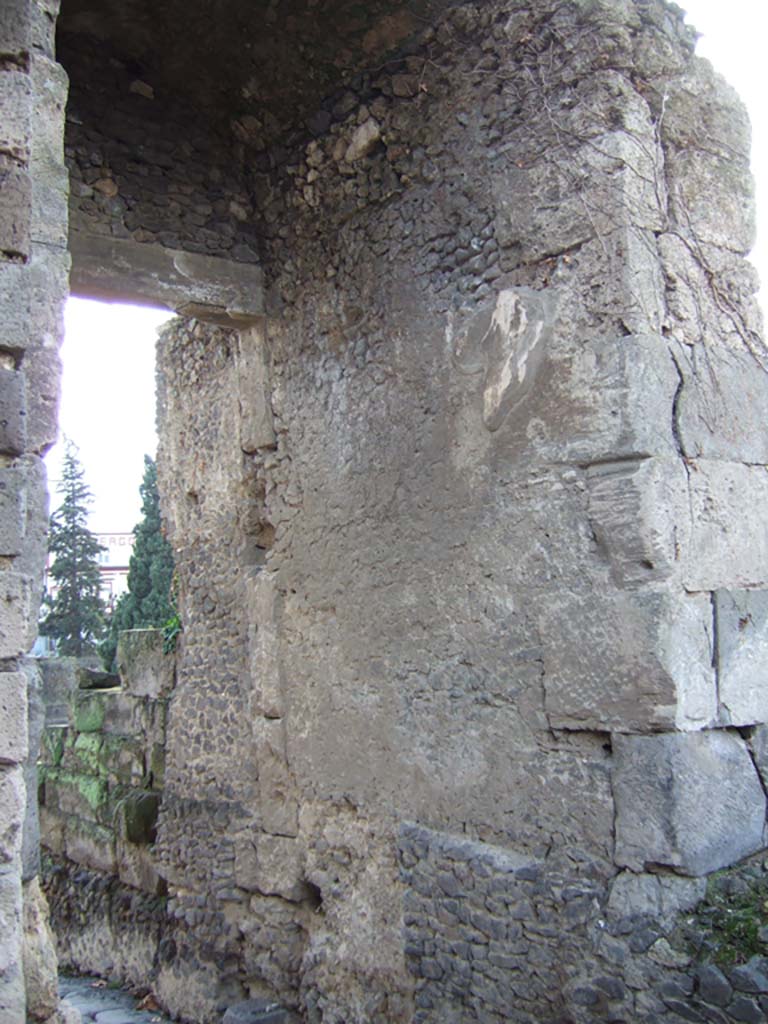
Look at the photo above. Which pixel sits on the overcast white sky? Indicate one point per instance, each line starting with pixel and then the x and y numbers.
pixel 108 393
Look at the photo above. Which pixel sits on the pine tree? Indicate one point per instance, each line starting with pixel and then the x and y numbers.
pixel 147 602
pixel 76 612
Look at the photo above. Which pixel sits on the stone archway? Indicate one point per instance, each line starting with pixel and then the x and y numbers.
pixel 496 438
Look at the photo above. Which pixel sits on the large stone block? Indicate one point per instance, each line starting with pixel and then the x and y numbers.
pixel 145 670
pixel 573 197
pixel 26 497
pixel 136 817
pixel 206 287
pixel 80 795
pixel 136 867
pixel 32 299
pixel 30 854
pixel 15 619
pixel 256 426
pixel 723 405
pixel 11 931
pixel 12 511
pixel 12 803
pixel 15 208
pixel 692 802
pixel 91 845
pixel 39 956
pixel 628 660
pixel 704 288
pixel 264 644
pixel 50 192
pixel 111 711
pixel 43 26
pixel 15 27
pixel 698 175
pixel 13 412
pixel 701 105
pixel 278 805
pixel 16 105
pixel 741 623
pixel 280 867
pixel 728 547
pixel 637 510
pixel 13 717
pixel 657 896
pixel 552 400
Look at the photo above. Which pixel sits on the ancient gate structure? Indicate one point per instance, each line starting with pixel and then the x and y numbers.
pixel 463 459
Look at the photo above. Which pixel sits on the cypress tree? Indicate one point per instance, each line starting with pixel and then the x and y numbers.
pixel 148 601
pixel 75 617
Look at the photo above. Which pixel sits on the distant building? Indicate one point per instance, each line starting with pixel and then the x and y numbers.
pixel 113 562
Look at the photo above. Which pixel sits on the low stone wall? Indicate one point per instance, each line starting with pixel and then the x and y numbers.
pixel 101 782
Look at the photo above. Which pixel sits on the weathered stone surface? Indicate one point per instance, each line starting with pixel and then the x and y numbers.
pixel 280 867
pixel 90 844
pixel 145 670
pixel 15 199
pixel 662 784
pixel 758 744
pixel 207 287
pixel 257 426
pixel 697 172
pixel 16 103
pixel 12 511
pixel 723 403
pixel 30 853
pixel 727 550
pixel 137 868
pixel 713 986
pixel 48 222
pixel 12 800
pixel 278 805
pixel 742 655
pixel 433 533
pixel 604 400
pixel 40 965
pixel 363 140
pixel 257 1011
pixel 654 896
pixel 13 433
pixel 544 211
pixel 15 626
pixel 638 510
pixel 15 24
pixel 628 660
pixel 13 717
pixel 136 817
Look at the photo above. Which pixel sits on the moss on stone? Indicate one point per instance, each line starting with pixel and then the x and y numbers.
pixel 136 817
pixel 52 748
pixel 86 751
pixel 89 712
pixel 730 924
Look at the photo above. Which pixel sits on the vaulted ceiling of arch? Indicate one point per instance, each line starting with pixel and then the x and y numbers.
pixel 264 63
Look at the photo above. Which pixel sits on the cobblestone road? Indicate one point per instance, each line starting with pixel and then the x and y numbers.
pixel 100 1004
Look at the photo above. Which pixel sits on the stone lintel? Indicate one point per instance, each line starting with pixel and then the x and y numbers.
pixel 206 287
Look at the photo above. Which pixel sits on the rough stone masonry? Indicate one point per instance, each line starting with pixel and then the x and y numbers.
pixel 462 455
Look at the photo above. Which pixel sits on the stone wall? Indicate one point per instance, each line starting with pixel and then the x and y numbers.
pixel 101 784
pixel 33 284
pixel 470 504
pixel 145 167
pixel 469 694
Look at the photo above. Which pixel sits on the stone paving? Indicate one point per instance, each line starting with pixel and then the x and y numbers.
pixel 100 1004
